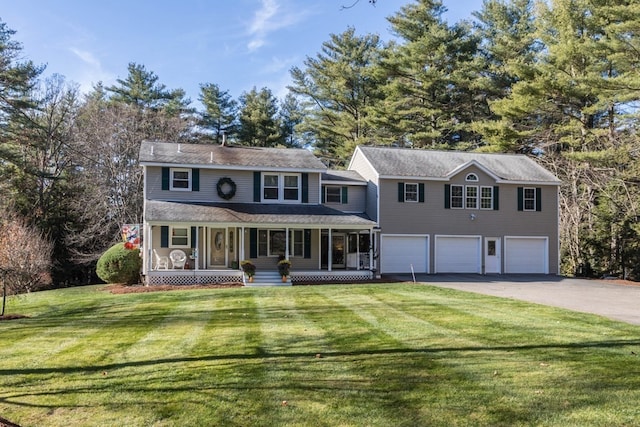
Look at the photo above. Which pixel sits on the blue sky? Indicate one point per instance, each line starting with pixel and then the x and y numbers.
pixel 237 44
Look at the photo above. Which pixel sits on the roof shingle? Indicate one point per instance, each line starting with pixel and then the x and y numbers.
pixel 400 162
pixel 229 156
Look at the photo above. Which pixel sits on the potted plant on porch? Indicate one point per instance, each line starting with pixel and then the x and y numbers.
pixel 284 265
pixel 249 269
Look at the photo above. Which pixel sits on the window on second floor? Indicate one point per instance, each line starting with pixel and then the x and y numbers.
pixel 471 197
pixel 410 192
pixel 281 187
pixel 333 194
pixel 180 179
pixel 529 199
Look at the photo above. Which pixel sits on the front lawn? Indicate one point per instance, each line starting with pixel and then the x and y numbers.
pixel 356 355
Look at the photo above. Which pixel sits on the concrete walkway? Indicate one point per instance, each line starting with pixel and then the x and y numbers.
pixel 602 297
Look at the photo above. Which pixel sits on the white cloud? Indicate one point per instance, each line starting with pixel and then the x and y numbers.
pixel 272 16
pixel 90 70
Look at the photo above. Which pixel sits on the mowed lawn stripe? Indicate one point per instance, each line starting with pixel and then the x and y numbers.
pixel 529 364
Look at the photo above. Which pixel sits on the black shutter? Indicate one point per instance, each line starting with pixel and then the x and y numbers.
pixel 307 243
pixel 401 192
pixel 538 199
pixel 323 196
pixel 164 236
pixel 520 198
pixel 496 198
pixel 447 196
pixel 165 179
pixel 253 243
pixel 256 187
pixel 195 179
pixel 305 188
pixel 345 195
pixel 421 192
pixel 194 230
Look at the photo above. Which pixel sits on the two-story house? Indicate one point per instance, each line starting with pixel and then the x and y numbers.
pixel 219 205
pixel 393 211
pixel 460 212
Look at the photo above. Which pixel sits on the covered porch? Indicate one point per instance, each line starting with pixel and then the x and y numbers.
pixel 322 244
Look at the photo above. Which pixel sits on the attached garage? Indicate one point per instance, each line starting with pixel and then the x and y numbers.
pixel 526 255
pixel 458 254
pixel 399 252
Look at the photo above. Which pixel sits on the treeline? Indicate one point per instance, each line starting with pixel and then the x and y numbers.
pixel 555 80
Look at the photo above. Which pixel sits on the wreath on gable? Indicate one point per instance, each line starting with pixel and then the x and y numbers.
pixel 226 188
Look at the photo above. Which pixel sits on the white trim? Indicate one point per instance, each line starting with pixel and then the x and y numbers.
pixel 189 171
pixel 342 183
pixel 470 163
pixel 281 188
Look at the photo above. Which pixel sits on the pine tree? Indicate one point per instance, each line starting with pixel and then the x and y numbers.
pixel 219 115
pixel 259 124
pixel 340 87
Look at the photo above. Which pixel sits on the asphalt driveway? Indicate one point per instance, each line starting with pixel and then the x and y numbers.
pixel 602 297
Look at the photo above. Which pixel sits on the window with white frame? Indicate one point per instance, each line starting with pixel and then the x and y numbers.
pixel 471 197
pixel 472 177
pixel 270 187
pixel 486 198
pixel 457 196
pixel 529 199
pixel 180 179
pixel 332 194
pixel 281 187
pixel 180 237
pixel 272 243
pixel 410 192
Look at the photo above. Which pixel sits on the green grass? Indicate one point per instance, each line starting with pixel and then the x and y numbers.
pixel 374 355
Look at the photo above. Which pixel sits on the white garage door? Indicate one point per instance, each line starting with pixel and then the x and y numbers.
pixel 526 255
pixel 399 253
pixel 458 254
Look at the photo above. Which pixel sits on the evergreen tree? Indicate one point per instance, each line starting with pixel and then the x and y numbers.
pixel 291 117
pixel 508 54
pixel 431 97
pixel 141 88
pixel 219 115
pixel 340 86
pixel 259 123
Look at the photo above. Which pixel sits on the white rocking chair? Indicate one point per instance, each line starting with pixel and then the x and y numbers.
pixel 178 258
pixel 161 261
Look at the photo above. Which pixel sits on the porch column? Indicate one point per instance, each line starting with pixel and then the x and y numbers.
pixel 358 250
pixel 330 250
pixel 286 243
pixel 148 248
pixel 241 255
pixel 370 249
pixel 196 256
pixel 320 249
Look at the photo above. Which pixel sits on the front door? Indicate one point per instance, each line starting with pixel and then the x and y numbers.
pixel 492 255
pixel 338 251
pixel 217 247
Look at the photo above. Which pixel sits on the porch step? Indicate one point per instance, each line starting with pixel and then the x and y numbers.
pixel 268 278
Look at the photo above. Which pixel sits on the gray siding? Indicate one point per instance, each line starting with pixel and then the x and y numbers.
pixel 432 218
pixel 356 200
pixel 208 180
pixel 362 166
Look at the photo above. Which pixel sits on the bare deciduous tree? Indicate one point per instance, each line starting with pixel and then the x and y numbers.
pixel 25 257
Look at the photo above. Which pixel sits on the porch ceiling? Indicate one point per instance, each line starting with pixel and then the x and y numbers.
pixel 252 213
